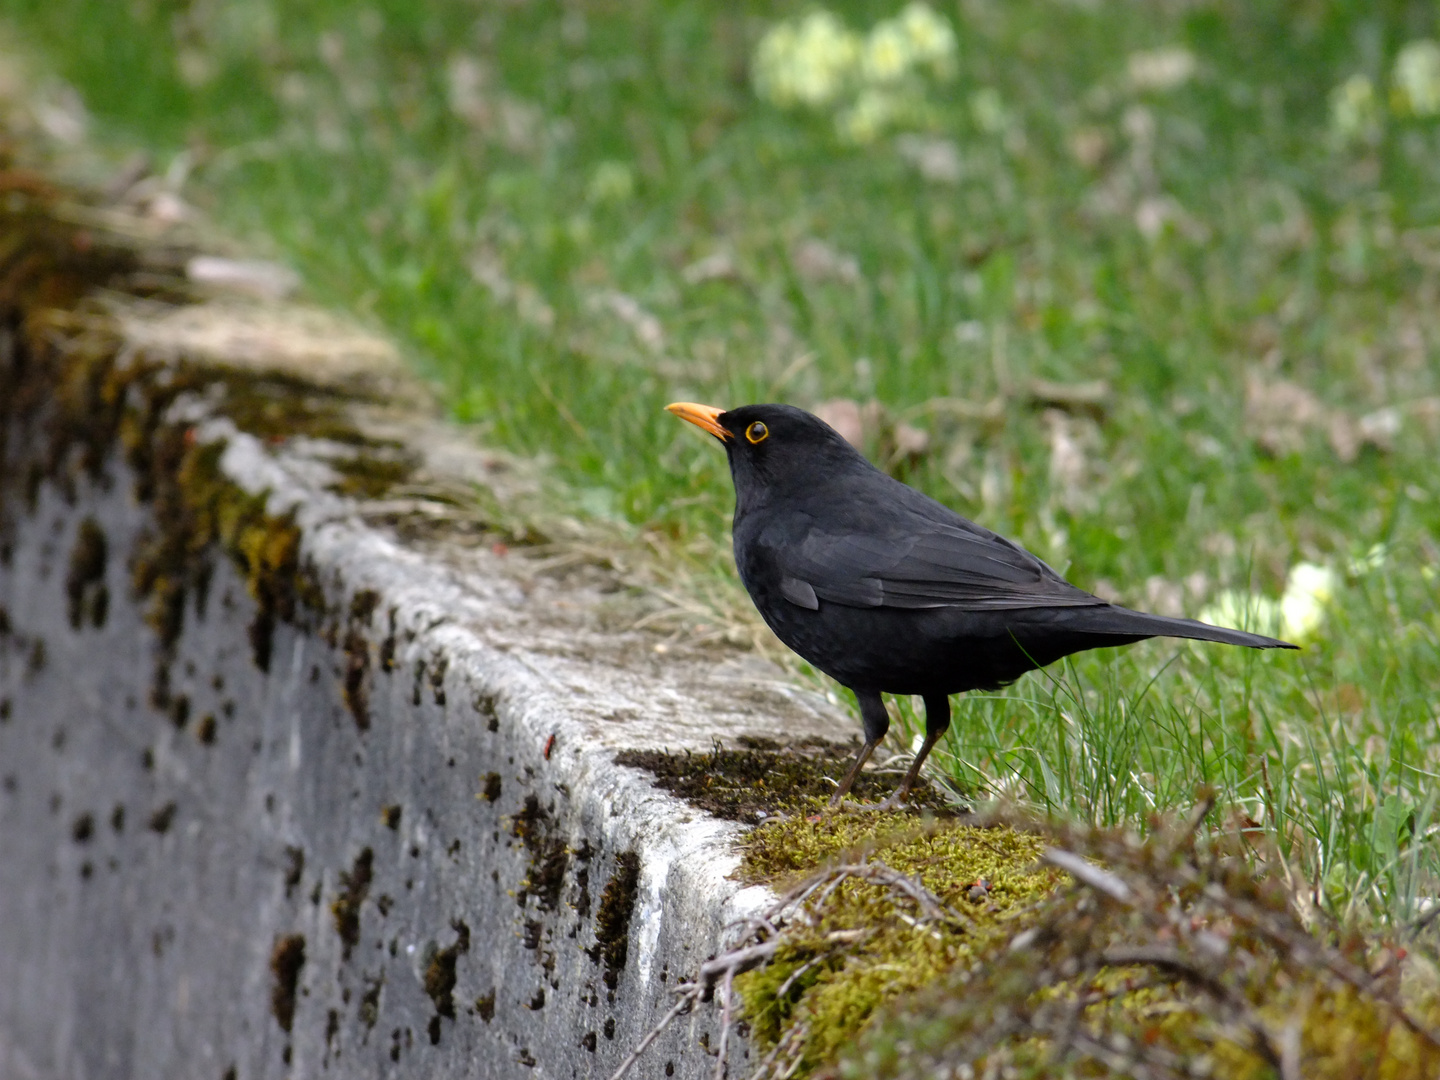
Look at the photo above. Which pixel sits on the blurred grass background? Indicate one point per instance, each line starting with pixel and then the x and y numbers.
pixel 575 213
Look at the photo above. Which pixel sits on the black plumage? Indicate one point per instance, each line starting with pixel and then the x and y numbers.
pixel 888 591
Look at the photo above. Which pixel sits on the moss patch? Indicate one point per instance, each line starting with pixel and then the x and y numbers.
pixel 485 1006
pixel 368 1012
pixel 612 921
pixel 161 820
pixel 86 595
pixel 549 855
pixel 286 959
pixel 913 949
pixel 196 507
pixel 67 405
pixel 761 777
pixel 866 945
pixel 276 408
pixel 1173 953
pixel 371 475
pixel 355 687
pixel 345 908
pixel 491 791
pixel 440 971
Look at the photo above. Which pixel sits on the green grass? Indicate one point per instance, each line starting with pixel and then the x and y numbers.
pixel 607 147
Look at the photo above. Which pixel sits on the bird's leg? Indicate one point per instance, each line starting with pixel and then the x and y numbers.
pixel 876 721
pixel 937 722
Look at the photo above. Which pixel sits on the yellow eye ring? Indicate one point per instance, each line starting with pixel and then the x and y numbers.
pixel 757 432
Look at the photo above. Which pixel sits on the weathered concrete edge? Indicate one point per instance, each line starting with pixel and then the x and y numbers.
pixel 687 856
pixel 449 611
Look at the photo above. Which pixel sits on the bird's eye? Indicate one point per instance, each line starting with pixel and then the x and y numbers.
pixel 757 432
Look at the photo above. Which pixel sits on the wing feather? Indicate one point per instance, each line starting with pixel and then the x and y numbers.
pixel 931 564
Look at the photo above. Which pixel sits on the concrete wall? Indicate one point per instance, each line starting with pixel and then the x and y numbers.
pixel 285 794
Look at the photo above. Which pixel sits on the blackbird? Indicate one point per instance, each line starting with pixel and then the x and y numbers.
pixel 888 591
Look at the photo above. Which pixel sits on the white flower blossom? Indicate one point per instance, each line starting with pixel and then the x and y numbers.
pixel 932 38
pixel 1297 616
pixel 875 82
pixel 1161 69
pixel 1243 611
pixel 1309 590
pixel 1416 79
pixel 809 62
pixel 888 53
pixel 1354 110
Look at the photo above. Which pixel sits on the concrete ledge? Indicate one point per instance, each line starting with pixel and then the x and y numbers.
pixel 284 793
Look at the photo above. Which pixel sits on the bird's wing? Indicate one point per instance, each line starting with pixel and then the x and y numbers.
pixel 921 564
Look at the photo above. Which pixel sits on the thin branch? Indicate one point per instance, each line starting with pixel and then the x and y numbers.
pixel 931 906
pixel 737 961
pixel 1087 873
pixel 688 992
pixel 725 988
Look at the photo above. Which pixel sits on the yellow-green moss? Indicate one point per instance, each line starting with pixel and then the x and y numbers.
pixel 1225 957
pixel 81 398
pixel 863 986
pixel 989 876
pixel 1343 1034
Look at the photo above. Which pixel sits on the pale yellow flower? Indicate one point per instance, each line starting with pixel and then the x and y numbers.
pixel 866 120
pixel 1243 611
pixel 888 53
pixel 1309 591
pixel 809 62
pixel 932 38
pixel 1354 110
pixel 1416 79
pixel 1297 616
pixel 872 81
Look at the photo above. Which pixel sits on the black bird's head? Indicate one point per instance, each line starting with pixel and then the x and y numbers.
pixel 774 450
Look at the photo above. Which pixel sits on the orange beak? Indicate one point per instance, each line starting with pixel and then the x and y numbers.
pixel 702 416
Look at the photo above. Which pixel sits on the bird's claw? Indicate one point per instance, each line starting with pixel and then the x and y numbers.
pixel 846 806
pixel 895 802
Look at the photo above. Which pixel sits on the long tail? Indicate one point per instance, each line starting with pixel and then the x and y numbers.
pixel 1124 622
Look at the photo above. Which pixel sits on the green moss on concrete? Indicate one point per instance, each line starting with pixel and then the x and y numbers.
pixel 80 395
pixel 864 984
pixel 535 827
pixel 345 908
pixel 1184 954
pixel 286 959
pixel 440 973
pixel 1340 1032
pixel 612 921
pixel 371 475
pixel 865 945
pixel 87 597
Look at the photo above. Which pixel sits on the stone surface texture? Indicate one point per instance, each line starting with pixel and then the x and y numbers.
pixel 384 836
